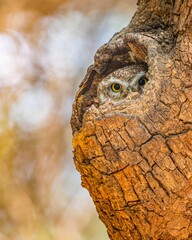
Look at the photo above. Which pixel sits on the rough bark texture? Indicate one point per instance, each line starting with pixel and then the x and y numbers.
pixel 135 157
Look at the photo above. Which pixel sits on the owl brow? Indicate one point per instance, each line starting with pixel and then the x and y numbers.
pixel 116 80
pixel 137 77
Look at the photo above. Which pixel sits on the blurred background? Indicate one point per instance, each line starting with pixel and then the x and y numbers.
pixel 45 49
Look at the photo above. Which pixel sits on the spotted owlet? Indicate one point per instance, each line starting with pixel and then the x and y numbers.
pixel 122 83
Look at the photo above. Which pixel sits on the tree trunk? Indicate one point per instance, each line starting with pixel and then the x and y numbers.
pixel 135 157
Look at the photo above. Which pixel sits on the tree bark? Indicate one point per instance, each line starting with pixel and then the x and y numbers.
pixel 135 157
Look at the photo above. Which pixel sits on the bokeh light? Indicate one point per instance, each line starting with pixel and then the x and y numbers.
pixel 45 49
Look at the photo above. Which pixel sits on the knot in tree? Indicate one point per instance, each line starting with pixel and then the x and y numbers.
pixel 132 125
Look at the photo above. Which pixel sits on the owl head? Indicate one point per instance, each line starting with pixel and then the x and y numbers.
pixel 121 83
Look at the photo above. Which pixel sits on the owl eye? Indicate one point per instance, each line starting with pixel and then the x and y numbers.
pixel 142 81
pixel 116 87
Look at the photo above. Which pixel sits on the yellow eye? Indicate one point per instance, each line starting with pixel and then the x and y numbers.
pixel 142 81
pixel 116 87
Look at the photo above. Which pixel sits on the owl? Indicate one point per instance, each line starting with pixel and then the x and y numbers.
pixel 122 83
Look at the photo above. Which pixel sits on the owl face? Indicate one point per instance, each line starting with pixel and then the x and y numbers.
pixel 122 83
